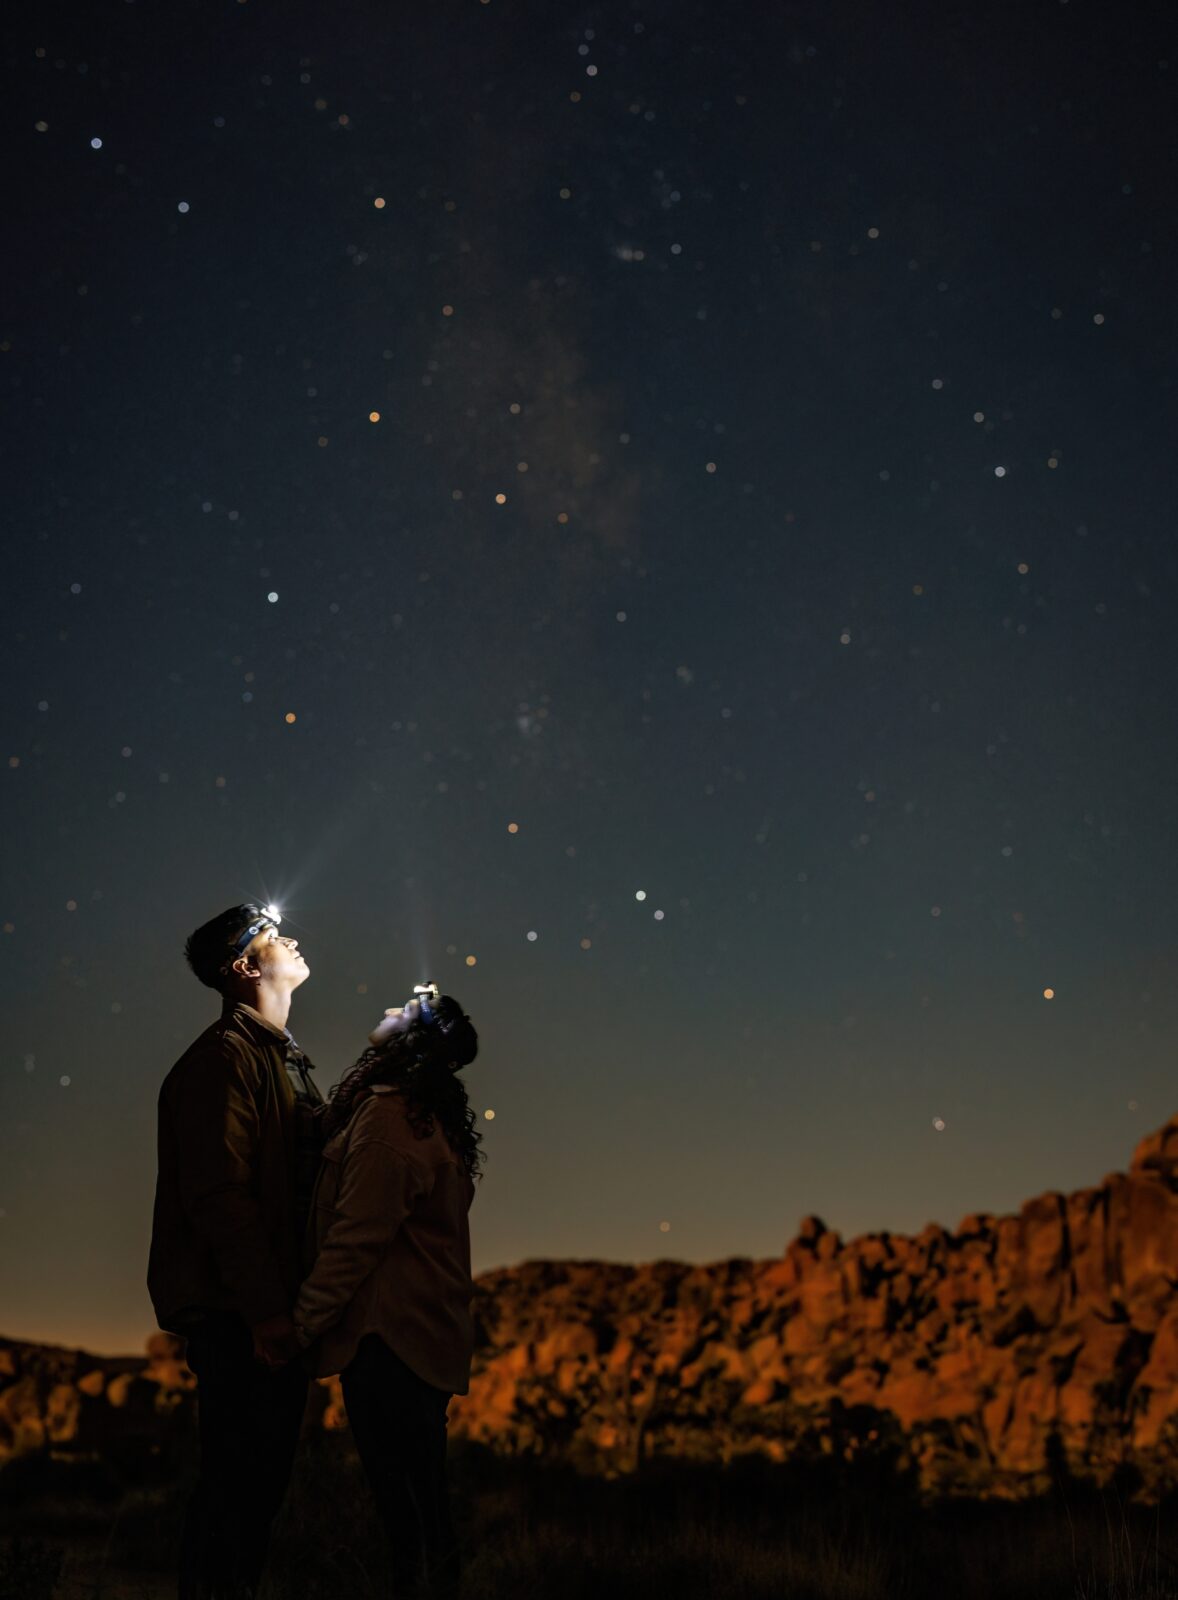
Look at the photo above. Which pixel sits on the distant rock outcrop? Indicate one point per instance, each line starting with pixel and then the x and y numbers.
pixel 990 1360
pixel 77 1406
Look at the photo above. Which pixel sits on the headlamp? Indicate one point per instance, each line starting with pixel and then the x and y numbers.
pixel 426 994
pixel 267 917
pixel 398 1019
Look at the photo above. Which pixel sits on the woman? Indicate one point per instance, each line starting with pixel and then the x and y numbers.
pixel 386 1302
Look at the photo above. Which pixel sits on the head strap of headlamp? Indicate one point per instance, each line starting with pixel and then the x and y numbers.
pixel 267 917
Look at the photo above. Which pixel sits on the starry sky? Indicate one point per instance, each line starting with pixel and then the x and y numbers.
pixel 657 516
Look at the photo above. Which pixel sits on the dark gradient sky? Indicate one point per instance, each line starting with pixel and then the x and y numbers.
pixel 834 610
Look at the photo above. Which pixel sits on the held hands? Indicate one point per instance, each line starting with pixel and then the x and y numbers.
pixel 274 1341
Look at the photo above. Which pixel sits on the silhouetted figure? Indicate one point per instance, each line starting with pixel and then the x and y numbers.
pixel 387 1299
pixel 239 1146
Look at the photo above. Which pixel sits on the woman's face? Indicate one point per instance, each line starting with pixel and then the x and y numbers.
pixel 395 1020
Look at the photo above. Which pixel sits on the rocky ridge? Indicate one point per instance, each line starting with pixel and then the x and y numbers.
pixel 989 1360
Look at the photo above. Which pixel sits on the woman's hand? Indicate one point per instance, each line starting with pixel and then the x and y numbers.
pixel 274 1341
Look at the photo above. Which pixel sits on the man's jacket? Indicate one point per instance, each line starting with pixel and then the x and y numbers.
pixel 225 1230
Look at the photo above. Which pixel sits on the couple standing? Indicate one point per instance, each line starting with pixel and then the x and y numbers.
pixel 296 1237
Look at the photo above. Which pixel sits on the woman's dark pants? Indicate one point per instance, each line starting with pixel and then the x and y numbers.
pixel 399 1424
pixel 249 1420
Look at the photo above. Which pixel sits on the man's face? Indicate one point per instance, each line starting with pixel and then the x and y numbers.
pixel 275 958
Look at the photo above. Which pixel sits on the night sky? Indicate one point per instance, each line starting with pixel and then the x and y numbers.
pixel 659 517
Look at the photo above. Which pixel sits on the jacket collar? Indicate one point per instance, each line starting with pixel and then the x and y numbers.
pixel 251 1021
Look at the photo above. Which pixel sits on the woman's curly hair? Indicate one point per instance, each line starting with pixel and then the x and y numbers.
pixel 422 1065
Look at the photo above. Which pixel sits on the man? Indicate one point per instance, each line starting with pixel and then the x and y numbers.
pixel 238 1152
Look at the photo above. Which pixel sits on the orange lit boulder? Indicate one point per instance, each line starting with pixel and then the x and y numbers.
pixel 991 1360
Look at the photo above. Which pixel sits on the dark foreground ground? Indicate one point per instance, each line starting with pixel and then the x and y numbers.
pixel 747 1532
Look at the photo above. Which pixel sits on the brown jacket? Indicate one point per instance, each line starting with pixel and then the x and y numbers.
pixel 388 1248
pixel 224 1231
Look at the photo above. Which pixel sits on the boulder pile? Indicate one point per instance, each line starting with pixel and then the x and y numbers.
pixel 991 1360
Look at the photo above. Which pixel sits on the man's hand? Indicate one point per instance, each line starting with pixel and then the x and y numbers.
pixel 274 1341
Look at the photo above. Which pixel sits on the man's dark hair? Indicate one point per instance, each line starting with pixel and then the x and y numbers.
pixel 210 949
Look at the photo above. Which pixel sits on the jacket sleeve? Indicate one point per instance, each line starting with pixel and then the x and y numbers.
pixel 216 1123
pixel 378 1185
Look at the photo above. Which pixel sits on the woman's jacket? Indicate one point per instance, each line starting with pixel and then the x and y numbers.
pixel 387 1248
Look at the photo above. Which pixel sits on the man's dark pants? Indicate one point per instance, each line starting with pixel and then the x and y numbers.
pixel 399 1424
pixel 249 1420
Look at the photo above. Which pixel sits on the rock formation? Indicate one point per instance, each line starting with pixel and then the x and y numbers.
pixel 990 1360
